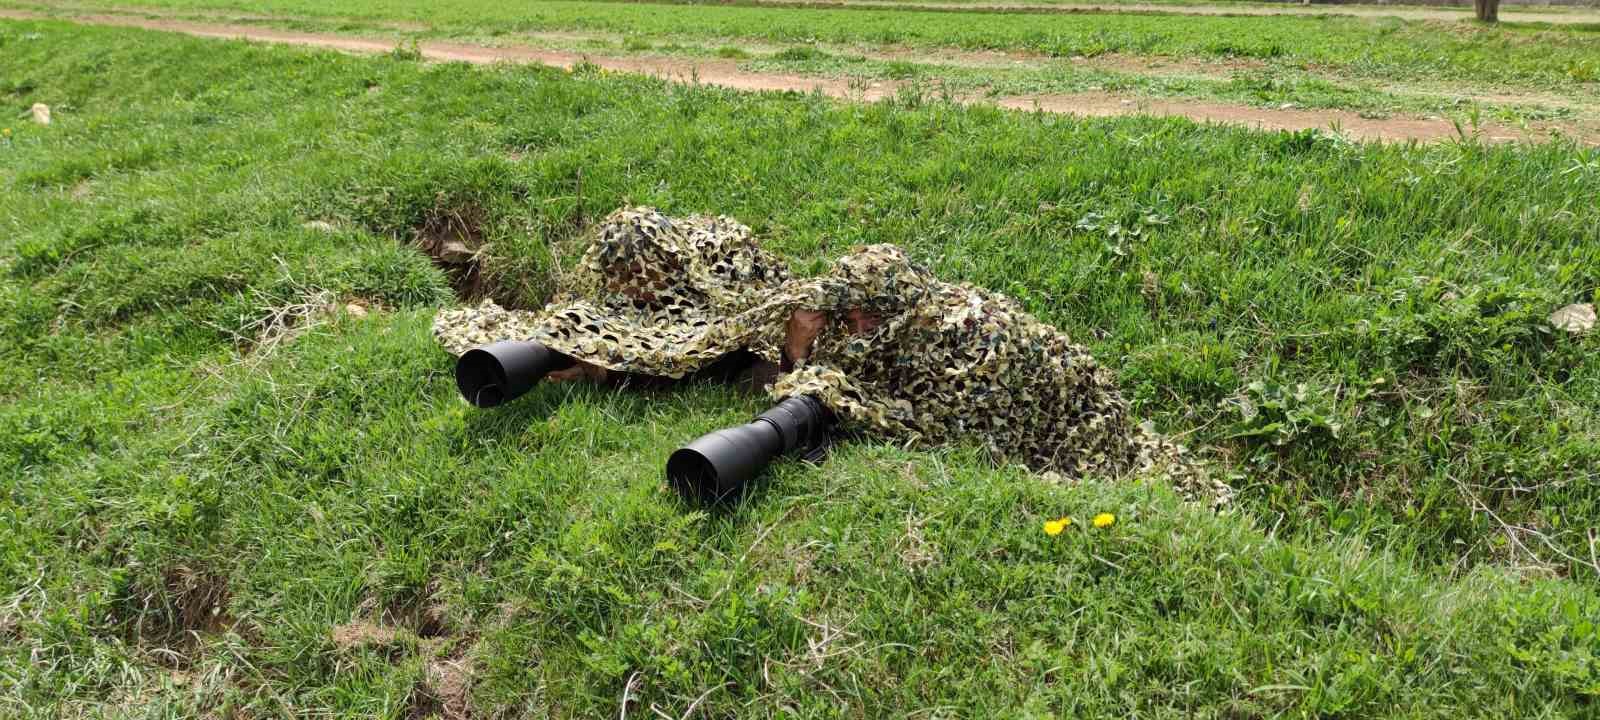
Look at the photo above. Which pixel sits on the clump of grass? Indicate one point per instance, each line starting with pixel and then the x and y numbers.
pixel 410 52
pixel 1247 50
pixel 732 53
pixel 901 70
pixel 1584 71
pixel 801 53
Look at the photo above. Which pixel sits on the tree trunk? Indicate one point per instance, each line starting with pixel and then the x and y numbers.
pixel 1487 10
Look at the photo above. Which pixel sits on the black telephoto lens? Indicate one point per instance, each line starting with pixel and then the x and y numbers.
pixel 499 373
pixel 719 465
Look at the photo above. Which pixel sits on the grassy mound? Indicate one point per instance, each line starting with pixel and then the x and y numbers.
pixel 242 481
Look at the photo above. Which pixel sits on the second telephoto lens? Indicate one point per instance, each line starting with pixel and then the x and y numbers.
pixel 717 466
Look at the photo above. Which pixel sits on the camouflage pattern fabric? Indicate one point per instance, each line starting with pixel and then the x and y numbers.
pixel 946 363
pixel 653 295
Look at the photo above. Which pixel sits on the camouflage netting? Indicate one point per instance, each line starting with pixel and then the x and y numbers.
pixel 667 296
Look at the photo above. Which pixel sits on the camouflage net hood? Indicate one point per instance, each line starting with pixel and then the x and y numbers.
pixel 876 279
pixel 653 295
pixel 943 362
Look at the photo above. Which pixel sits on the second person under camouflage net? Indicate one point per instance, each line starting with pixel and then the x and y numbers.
pixel 935 362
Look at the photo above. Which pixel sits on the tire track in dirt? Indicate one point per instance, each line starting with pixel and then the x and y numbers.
pixel 728 74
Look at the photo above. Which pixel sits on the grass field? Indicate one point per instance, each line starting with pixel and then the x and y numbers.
pixel 1390 49
pixel 1503 80
pixel 232 493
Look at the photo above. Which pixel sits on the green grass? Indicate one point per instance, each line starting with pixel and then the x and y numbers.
pixel 189 517
pixel 1464 11
pixel 1271 88
pixel 1357 47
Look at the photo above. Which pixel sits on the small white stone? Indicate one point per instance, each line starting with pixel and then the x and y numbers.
pixel 41 113
pixel 1577 318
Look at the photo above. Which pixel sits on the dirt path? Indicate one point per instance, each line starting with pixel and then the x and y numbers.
pixel 728 74
pixel 1508 13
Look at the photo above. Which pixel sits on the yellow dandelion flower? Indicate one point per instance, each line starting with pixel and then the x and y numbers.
pixel 1054 527
pixel 6 132
pixel 1104 520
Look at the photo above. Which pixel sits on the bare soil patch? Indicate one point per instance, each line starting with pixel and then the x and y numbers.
pixel 445 688
pixel 361 634
pixel 728 74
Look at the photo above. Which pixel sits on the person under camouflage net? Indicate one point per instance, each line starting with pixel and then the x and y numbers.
pixel 889 348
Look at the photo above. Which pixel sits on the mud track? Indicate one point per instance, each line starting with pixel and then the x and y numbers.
pixel 728 74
